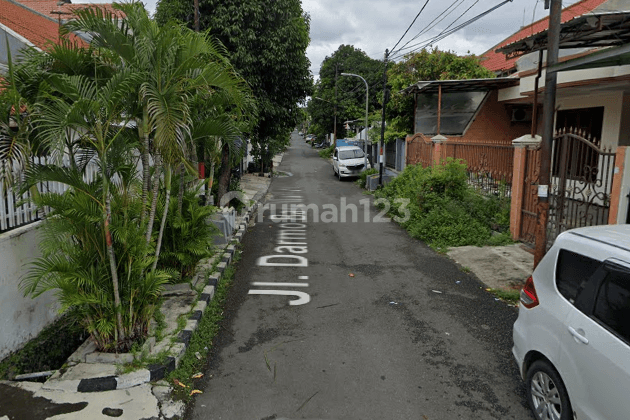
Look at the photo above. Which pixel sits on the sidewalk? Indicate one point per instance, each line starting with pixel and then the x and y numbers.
pixel 499 267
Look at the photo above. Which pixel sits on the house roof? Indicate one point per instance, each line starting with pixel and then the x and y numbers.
pixel 586 31
pixel 38 20
pixel 470 85
pixel 36 28
pixel 494 61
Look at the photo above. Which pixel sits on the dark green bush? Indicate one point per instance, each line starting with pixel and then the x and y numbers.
pixel 327 152
pixel 187 236
pixel 363 176
pixel 445 211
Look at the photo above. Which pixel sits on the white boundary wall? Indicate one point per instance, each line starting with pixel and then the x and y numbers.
pixel 21 318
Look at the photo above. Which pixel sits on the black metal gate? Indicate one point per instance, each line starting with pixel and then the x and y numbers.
pixel 390 154
pixel 581 183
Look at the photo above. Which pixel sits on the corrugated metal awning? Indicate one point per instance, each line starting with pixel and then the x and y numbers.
pixel 587 31
pixel 470 85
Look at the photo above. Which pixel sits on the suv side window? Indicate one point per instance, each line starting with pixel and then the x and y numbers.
pixel 335 155
pixel 612 306
pixel 571 271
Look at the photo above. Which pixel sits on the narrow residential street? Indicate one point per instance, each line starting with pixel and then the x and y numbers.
pixel 361 322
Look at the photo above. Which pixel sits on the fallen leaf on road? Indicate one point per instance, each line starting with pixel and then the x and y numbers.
pixel 179 383
pixel 351 274
pixel 195 391
pixel 197 375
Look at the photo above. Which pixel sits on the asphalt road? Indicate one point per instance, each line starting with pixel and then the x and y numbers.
pixel 384 327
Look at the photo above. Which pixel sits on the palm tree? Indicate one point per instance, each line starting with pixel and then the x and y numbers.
pixel 176 65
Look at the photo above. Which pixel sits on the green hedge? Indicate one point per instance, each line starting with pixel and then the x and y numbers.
pixel 444 210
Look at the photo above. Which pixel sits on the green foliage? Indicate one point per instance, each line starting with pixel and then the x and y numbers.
pixel 445 211
pixel 75 261
pixel 48 351
pixel 363 176
pixel 187 236
pixel 349 97
pixel 424 65
pixel 327 152
pixel 266 43
pixel 509 296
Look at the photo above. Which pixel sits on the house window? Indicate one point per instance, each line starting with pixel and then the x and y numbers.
pixel 458 108
pixel 581 161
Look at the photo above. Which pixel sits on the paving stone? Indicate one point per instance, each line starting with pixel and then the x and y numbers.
pixel 177 289
pixel 110 358
pixel 132 379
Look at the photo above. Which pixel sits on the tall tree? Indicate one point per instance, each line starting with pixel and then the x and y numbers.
pixel 346 93
pixel 266 42
pixel 424 65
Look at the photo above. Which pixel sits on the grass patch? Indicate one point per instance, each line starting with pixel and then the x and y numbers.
pixel 48 351
pixel 197 352
pixel 509 296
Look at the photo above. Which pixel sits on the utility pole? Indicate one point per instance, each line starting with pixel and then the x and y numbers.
pixel 380 156
pixel 335 127
pixel 553 42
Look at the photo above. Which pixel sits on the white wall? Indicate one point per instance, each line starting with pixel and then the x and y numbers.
pixel 21 318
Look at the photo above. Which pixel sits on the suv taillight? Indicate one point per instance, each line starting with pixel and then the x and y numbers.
pixel 529 298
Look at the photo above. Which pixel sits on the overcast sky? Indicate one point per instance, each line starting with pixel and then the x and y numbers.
pixel 374 25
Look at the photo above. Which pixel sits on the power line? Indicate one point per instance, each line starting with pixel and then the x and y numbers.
pixel 414 21
pixel 445 29
pixel 443 35
pixel 431 24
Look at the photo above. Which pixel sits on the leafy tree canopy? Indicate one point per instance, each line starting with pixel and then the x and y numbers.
pixel 266 42
pixel 350 96
pixel 424 65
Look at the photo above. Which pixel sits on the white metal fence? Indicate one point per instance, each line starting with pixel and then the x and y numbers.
pixel 18 210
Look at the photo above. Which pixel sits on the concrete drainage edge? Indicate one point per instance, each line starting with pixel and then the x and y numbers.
pixel 159 371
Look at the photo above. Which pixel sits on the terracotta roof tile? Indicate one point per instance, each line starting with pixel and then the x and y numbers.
pixel 496 61
pixel 34 20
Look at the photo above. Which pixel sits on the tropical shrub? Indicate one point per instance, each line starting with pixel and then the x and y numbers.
pixel 327 152
pixel 363 176
pixel 187 235
pixel 444 210
pixel 76 263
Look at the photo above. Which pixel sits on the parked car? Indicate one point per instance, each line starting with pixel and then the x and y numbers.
pixel 349 161
pixel 572 335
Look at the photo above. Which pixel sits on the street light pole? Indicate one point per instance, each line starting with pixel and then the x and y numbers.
pixel 366 116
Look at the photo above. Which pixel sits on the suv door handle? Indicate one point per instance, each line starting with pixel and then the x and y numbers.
pixel 579 337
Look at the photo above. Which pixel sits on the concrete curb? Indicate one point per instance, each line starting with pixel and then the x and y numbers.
pixel 159 371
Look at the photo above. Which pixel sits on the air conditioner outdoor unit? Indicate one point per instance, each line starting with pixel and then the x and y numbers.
pixel 521 114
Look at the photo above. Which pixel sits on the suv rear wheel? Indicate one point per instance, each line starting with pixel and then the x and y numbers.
pixel 546 393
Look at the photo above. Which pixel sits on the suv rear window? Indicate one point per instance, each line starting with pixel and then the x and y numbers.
pixel 571 271
pixel 612 306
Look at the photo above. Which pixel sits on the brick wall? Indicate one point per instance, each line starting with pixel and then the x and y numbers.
pixel 493 124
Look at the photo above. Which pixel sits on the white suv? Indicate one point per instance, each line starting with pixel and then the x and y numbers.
pixel 349 161
pixel 572 335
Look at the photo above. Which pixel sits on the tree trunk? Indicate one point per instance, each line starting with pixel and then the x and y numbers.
pixel 167 199
pixel 182 186
pixel 156 191
pixel 143 131
pixel 224 177
pixel 210 182
pixel 112 265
